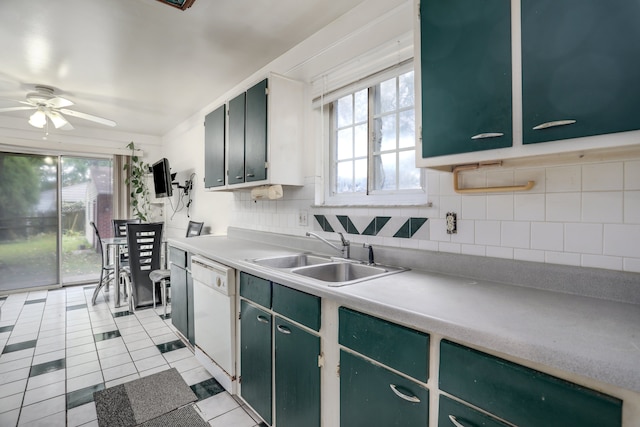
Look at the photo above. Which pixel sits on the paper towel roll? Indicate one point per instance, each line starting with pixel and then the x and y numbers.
pixel 267 192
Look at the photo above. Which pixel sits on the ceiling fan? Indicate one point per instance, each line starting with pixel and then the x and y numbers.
pixel 52 107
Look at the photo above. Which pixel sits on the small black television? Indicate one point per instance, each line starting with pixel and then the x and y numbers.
pixel 162 178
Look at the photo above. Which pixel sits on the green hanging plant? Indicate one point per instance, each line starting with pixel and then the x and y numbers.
pixel 136 172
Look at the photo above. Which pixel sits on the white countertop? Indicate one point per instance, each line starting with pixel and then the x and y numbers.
pixel 589 337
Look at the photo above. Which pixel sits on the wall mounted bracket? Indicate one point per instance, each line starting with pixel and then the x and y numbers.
pixel 456 187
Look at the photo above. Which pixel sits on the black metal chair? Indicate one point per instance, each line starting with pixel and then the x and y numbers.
pixel 144 242
pixel 107 271
pixel 120 230
pixel 163 276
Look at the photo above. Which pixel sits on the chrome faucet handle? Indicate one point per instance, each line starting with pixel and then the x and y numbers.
pixel 344 241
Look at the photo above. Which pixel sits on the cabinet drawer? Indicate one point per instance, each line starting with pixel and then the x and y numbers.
pixel 178 257
pixel 464 414
pixel 521 395
pixel 255 289
pixel 393 345
pixel 367 396
pixel 297 306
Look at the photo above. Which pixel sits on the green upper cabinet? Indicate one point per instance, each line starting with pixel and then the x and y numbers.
pixel 465 51
pixel 214 146
pixel 264 137
pixel 256 133
pixel 236 139
pixel 580 63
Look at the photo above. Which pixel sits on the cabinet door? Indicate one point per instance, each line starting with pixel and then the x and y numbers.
pixel 255 359
pixel 214 140
pixel 236 139
pixel 371 395
pixel 179 309
pixel 521 395
pixel 256 133
pixel 579 62
pixel 466 75
pixel 191 330
pixel 463 414
pixel 297 376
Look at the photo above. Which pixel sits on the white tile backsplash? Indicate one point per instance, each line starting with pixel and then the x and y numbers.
pixel 632 175
pixel 529 207
pixel 605 206
pixel 583 238
pixel 500 207
pixel 563 179
pixel 565 207
pixel 602 261
pixel 515 234
pixel 622 240
pixel 602 177
pixel 632 207
pixel 487 233
pixel 580 214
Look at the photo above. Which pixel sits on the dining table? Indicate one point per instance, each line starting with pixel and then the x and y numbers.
pixel 119 244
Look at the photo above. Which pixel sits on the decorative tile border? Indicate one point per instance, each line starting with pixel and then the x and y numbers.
pixel 380 226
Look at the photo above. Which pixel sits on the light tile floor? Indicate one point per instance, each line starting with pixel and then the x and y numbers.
pixel 56 349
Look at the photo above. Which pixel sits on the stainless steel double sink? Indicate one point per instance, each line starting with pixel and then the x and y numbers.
pixel 333 271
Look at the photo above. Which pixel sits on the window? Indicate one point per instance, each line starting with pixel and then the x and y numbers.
pixel 373 144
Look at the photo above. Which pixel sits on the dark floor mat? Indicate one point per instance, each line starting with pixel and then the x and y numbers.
pixel 158 394
pixel 142 400
pixel 186 416
pixel 113 407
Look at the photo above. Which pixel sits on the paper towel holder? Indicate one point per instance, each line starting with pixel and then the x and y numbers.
pixel 270 192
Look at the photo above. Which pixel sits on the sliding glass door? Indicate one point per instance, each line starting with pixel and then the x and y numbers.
pixel 29 254
pixel 46 206
pixel 87 196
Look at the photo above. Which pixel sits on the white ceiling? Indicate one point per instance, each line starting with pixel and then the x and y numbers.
pixel 143 64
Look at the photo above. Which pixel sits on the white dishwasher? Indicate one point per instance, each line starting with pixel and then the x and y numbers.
pixel 214 315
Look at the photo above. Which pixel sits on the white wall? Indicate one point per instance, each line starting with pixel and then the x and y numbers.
pixel 585 214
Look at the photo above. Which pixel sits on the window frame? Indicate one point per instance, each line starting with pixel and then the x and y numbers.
pixel 370 197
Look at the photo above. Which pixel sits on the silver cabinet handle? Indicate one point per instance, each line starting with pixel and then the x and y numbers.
pixel 250 175
pixel 412 399
pixel 283 329
pixel 554 124
pixel 262 319
pixel 487 135
pixel 219 179
pixel 238 176
pixel 455 421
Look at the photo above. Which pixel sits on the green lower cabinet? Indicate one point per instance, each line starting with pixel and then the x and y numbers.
pixel 520 395
pixel 297 376
pixel 451 410
pixel 256 359
pixel 371 395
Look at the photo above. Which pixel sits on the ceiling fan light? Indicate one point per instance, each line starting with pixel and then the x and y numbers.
pixel 38 119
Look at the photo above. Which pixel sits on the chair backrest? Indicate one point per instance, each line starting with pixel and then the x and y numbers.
pixel 144 243
pixel 97 233
pixel 120 226
pixel 194 228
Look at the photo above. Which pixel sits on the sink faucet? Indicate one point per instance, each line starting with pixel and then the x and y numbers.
pixel 371 260
pixel 346 245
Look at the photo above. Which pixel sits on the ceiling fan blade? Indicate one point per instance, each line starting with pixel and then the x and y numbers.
pixel 4 110
pixel 86 116
pixel 59 102
pixel 58 120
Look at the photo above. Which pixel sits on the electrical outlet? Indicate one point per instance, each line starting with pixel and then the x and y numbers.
pixel 302 218
pixel 451 220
